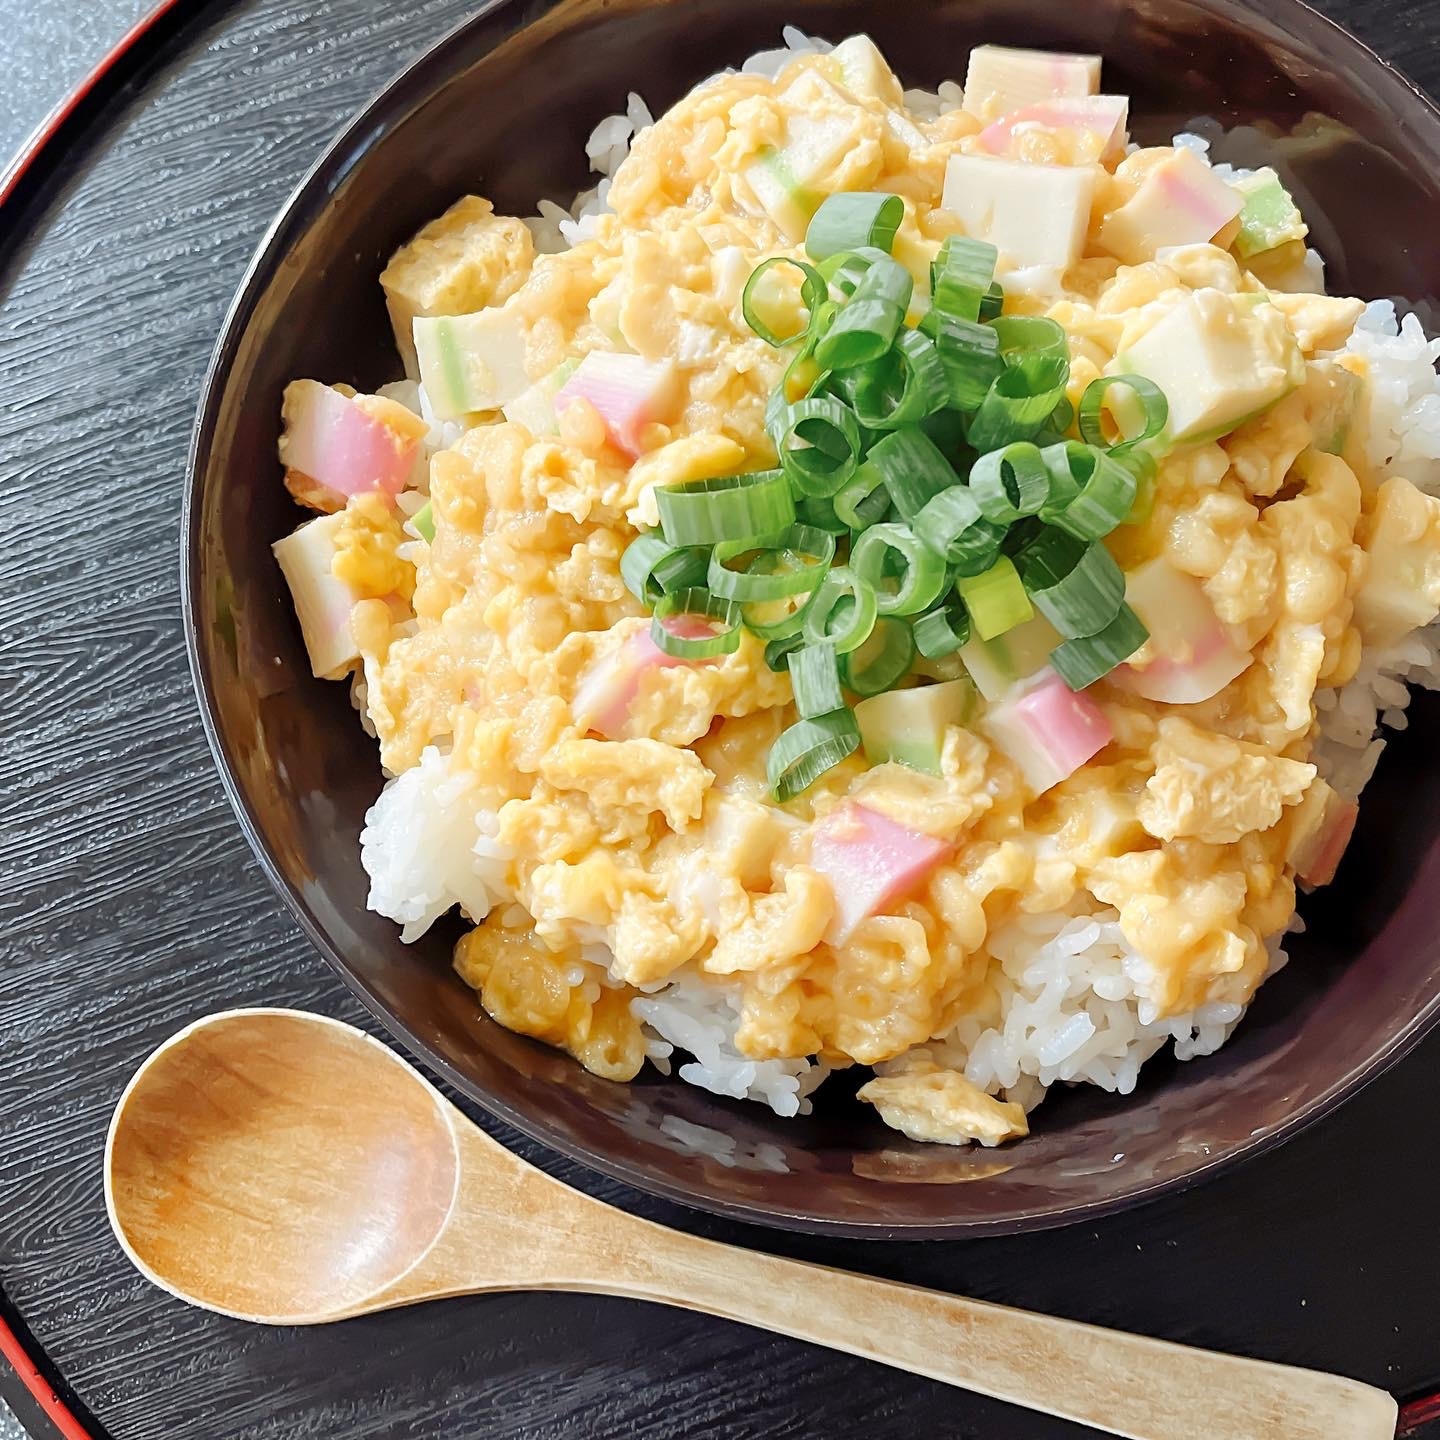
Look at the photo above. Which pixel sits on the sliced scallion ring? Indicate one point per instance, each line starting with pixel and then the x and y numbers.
pixel 866 326
pixel 1091 491
pixel 913 469
pixel 725 507
pixel 790 563
pixel 961 275
pixel 777 651
pixel 943 630
pixel 996 599
pixel 883 660
pixel 697 641
pixel 851 219
pixel 812 292
pixel 1141 464
pixel 1077 587
pixel 819 514
pixel 843 272
pixel 920 572
pixel 905 387
pixel 1139 420
pixel 1083 661
pixel 1026 335
pixel 1018 402
pixel 804 752
pixel 1010 483
pixel 818 440
pixel 1060 417
pixel 953 526
pixel 970 357
pixel 841 612
pixel 865 499
pixel 815 678
pixel 651 567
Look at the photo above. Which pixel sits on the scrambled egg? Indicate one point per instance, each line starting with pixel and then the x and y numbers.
pixel 928 1103
pixel 661 845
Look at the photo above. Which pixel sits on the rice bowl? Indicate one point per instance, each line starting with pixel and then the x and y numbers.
pixel 1069 986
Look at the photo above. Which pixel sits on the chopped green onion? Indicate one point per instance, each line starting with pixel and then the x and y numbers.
pixel 905 387
pixel 867 324
pixel 777 651
pixel 812 292
pixel 1024 335
pixel 1018 402
pixel 953 526
pixel 944 630
pixel 1058 421
pixel 1083 661
pixel 996 600
pixel 970 356
pixel 936 563
pixel 843 272
pixel 818 440
pixel 865 499
pixel 725 507
pixel 1138 459
pixel 913 469
pixel 1077 587
pixel 809 748
pixel 1010 483
pixel 815 678
pixel 1148 396
pixel 921 572
pixel 775 619
pixel 803 377
pixel 698 647
pixel 424 522
pixel 883 660
pixel 791 563
pixel 1092 492
pixel 651 567
pixel 849 220
pixel 819 514
pixel 1142 464
pixel 961 275
pixel 842 611
pixel 947 429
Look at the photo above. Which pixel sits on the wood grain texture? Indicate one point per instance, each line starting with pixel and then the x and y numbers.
pixel 129 905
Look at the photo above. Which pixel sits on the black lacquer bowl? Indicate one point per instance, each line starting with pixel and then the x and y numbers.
pixel 502 107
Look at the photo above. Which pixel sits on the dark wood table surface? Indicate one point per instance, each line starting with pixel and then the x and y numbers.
pixel 129 904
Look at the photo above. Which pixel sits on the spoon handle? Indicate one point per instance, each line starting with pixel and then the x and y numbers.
pixel 1124 1384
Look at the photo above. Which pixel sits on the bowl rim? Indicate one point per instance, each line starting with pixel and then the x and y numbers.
pixel 355 137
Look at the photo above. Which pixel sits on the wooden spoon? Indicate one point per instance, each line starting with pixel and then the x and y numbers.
pixel 288 1169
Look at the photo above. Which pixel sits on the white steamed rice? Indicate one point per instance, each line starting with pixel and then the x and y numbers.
pixel 699 1017
pixel 428 844
pixel 1070 986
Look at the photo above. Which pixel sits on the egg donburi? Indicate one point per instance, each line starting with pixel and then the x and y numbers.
pixel 874 590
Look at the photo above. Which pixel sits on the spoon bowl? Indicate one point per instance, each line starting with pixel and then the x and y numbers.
pixel 285 1168
pixel 319 1166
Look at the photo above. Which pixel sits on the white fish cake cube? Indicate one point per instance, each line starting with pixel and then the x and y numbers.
pixel 471 362
pixel 1000 79
pixel 1219 359
pixel 1181 202
pixel 1032 214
